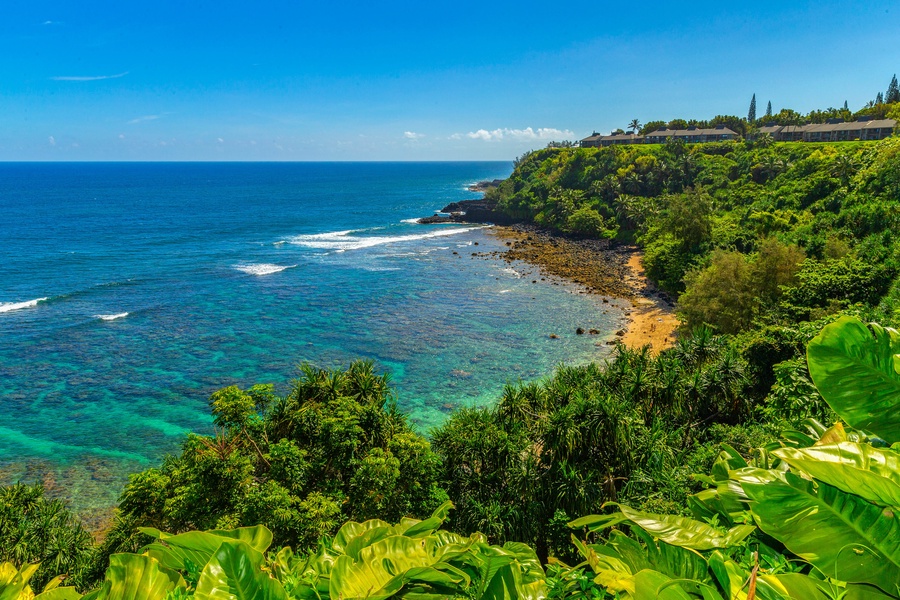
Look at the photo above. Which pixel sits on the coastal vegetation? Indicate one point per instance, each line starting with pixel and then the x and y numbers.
pixel 808 515
pixel 757 458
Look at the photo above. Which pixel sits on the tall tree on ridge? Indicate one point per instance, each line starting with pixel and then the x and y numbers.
pixel 751 115
pixel 769 109
pixel 879 99
pixel 845 105
pixel 634 126
pixel 893 91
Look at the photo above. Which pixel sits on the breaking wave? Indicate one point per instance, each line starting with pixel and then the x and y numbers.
pixel 11 306
pixel 121 315
pixel 262 268
pixel 341 241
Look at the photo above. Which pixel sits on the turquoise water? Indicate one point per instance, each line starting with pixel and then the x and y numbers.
pixel 130 292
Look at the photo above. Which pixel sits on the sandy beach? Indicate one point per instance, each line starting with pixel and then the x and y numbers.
pixel 599 268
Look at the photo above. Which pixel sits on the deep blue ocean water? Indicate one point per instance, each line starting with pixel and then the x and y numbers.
pixel 131 291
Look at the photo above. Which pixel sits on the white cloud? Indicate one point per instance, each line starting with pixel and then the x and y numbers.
pixel 220 140
pixel 496 135
pixel 142 119
pixel 412 135
pixel 88 77
pixel 121 136
pixel 51 140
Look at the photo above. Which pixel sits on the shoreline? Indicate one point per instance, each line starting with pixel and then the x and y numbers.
pixel 603 269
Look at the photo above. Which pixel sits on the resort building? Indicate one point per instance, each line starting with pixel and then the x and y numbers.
pixel 834 130
pixel 691 135
pixel 596 140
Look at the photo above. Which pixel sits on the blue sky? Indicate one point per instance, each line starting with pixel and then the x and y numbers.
pixel 396 80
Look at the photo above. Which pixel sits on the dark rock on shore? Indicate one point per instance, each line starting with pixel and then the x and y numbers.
pixel 477 211
pixel 470 211
pixel 436 219
pixel 596 264
pixel 483 186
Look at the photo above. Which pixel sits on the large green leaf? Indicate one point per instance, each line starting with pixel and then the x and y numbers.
pixel 351 530
pixel 796 586
pixel 383 568
pixel 843 535
pixel 652 585
pixel 234 573
pixel 856 371
pixel 138 577
pixel 677 531
pixel 59 593
pixel 14 582
pixel 861 469
pixel 198 546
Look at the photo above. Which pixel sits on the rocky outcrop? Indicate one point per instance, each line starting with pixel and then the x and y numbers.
pixel 470 211
pixel 483 186
pixel 477 211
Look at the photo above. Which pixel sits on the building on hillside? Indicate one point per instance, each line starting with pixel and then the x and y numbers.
pixel 691 135
pixel 791 133
pixel 769 130
pixel 839 131
pixel 617 139
pixel 591 141
pixel 835 130
pixel 595 140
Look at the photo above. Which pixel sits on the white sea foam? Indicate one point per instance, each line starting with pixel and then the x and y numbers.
pixel 112 317
pixel 504 291
pixel 411 221
pixel 342 241
pixel 262 268
pixel 11 306
pixel 512 272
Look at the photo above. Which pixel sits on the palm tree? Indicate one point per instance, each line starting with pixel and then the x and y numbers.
pixel 634 126
pixel 844 167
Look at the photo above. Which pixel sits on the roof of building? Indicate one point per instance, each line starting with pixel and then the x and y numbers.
pixel 879 124
pixel 769 129
pixel 621 136
pixel 690 132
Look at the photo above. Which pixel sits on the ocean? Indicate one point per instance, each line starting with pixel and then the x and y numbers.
pixel 129 292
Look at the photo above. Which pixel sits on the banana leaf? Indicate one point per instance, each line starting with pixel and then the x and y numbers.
pixel 234 573
pixel 856 371
pixel 873 473
pixel 843 535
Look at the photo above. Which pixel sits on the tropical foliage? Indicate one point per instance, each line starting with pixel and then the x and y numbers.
pixel 810 516
pixel 335 447
pixel 749 234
